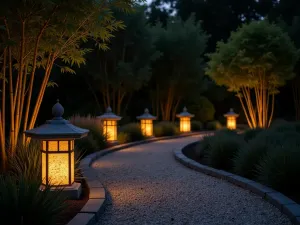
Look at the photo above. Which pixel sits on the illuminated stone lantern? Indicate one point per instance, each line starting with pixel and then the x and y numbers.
pixel 110 125
pixel 185 120
pixel 57 149
pixel 231 119
pixel 147 123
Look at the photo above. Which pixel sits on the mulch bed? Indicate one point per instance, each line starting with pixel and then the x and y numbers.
pixel 74 206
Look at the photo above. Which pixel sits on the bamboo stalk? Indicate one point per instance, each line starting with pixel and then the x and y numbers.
pixel 34 65
pixel 49 65
pixel 272 110
pixel 2 112
pixel 246 113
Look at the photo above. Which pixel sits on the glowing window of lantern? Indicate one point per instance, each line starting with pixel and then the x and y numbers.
pixel 110 129
pixel 231 122
pixel 147 127
pixel 185 124
pixel 58 162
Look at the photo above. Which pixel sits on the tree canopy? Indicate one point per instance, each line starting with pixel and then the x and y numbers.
pixel 180 67
pixel 258 56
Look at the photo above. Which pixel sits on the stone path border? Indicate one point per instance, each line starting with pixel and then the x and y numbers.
pixel 280 201
pixel 91 211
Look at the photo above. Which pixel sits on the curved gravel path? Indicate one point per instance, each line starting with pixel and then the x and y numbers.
pixel 147 185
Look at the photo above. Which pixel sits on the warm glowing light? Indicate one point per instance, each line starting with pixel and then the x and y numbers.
pixel 58 162
pixel 231 122
pixel 110 129
pixel 185 124
pixel 147 127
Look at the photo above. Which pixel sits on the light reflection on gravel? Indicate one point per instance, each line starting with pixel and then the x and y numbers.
pixel 146 185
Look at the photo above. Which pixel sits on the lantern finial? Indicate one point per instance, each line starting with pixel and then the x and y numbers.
pixel 184 109
pixel 57 109
pixel 231 109
pixel 146 110
pixel 108 110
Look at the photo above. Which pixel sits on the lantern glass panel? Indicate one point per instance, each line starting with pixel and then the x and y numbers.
pixel 231 122
pixel 52 145
pixel 63 145
pixel 58 169
pixel 110 129
pixel 58 166
pixel 72 167
pixel 147 127
pixel 44 167
pixel 185 124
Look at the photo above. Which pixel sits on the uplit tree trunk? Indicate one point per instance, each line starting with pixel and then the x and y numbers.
pixel 258 105
pixel 2 110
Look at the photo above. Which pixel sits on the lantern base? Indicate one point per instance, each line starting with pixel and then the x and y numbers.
pixel 70 192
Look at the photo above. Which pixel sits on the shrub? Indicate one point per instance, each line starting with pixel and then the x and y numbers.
pixel 247 159
pixel 251 133
pixel 123 138
pixel 280 169
pixel 165 128
pixel 223 149
pixel 22 202
pixel 196 125
pixel 214 125
pixel 133 132
pixel 95 139
pixel 284 126
pixel 203 109
pixel 202 148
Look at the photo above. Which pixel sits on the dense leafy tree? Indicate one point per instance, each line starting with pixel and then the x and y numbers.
pixel 203 109
pixel 257 59
pixel 179 69
pixel 125 68
pixel 36 34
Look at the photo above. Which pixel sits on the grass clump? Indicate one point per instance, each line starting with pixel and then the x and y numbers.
pixel 280 169
pixel 214 125
pixel 222 150
pixel 95 140
pixel 165 128
pixel 23 203
pixel 249 134
pixel 130 132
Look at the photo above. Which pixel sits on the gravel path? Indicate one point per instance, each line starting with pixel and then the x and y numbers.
pixel 147 185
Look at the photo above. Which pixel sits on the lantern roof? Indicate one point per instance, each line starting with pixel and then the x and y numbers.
pixel 109 115
pixel 146 116
pixel 57 128
pixel 185 113
pixel 231 113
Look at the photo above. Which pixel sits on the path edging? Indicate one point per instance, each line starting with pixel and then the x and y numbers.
pixel 286 205
pixel 91 211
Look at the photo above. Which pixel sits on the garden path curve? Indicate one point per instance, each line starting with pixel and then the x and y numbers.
pixel 146 186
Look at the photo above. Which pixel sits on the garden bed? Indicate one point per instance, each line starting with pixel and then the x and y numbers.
pixel 269 156
pixel 74 206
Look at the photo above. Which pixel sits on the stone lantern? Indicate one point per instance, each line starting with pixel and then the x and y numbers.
pixel 109 122
pixel 185 120
pixel 231 117
pixel 57 151
pixel 146 123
